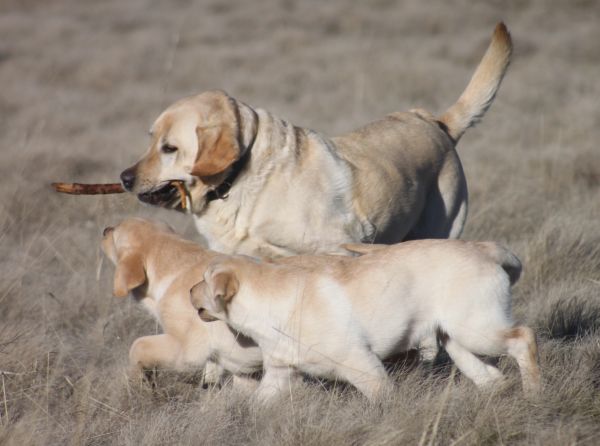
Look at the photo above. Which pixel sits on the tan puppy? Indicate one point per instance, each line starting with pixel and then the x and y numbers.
pixel 338 317
pixel 159 268
pixel 259 185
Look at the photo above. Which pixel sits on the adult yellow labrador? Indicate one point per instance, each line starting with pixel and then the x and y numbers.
pixel 259 185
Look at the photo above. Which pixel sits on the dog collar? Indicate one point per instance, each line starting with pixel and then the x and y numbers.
pixel 221 192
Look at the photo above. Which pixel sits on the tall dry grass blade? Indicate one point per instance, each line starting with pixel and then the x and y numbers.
pixel 100 262
pixel 461 438
pixel 99 436
pixel 58 254
pixel 48 382
pixel 109 408
pixel 498 427
pixel 58 423
pixel 4 397
pixel 443 402
pixel 426 430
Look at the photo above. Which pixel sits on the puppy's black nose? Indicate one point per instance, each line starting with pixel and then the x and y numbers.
pixel 128 178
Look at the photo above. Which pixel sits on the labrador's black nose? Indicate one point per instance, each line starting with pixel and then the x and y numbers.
pixel 128 178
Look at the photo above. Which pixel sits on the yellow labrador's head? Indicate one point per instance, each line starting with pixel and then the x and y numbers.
pixel 125 245
pixel 195 141
pixel 212 295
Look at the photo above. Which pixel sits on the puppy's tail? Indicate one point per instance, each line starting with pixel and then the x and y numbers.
pixel 363 248
pixel 509 262
pixel 482 88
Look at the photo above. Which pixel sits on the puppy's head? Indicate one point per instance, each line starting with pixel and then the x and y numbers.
pixel 194 141
pixel 125 245
pixel 212 296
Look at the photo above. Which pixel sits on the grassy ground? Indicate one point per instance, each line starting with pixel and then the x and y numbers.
pixel 81 83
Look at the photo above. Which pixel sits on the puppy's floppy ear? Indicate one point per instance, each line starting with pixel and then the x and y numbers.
pixel 225 285
pixel 129 274
pixel 198 298
pixel 196 293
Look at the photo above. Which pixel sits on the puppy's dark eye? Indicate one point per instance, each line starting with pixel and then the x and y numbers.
pixel 167 148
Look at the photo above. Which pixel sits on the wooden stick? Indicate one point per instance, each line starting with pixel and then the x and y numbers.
pixel 88 189
pixel 182 193
pixel 110 188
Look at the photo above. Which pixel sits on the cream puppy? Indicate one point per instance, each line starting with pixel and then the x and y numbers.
pixel 159 268
pixel 338 317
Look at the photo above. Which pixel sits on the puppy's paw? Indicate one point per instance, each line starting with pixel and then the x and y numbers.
pixel 142 378
pixel 246 385
pixel 151 377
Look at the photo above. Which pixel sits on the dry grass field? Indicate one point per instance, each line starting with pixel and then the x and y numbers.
pixel 81 82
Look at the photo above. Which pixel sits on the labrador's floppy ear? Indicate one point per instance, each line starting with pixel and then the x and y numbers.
pixel 216 151
pixel 129 274
pixel 219 146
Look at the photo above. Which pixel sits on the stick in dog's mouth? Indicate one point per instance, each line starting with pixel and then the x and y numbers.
pixel 88 189
pixel 166 195
pixel 117 188
pixel 182 193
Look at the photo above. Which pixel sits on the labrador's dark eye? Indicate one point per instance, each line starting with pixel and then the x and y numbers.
pixel 167 148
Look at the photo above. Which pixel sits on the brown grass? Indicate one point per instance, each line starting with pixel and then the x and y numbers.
pixel 81 83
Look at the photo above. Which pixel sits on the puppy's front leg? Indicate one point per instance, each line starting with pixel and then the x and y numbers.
pixel 245 384
pixel 365 371
pixel 275 380
pixel 428 348
pixel 152 351
pixel 212 375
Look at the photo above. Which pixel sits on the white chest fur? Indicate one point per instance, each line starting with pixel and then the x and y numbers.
pixel 258 218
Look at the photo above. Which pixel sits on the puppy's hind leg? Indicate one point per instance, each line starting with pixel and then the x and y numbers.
pixel 212 375
pixel 522 345
pixel 482 374
pixel 274 382
pixel 428 348
pixel 244 384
